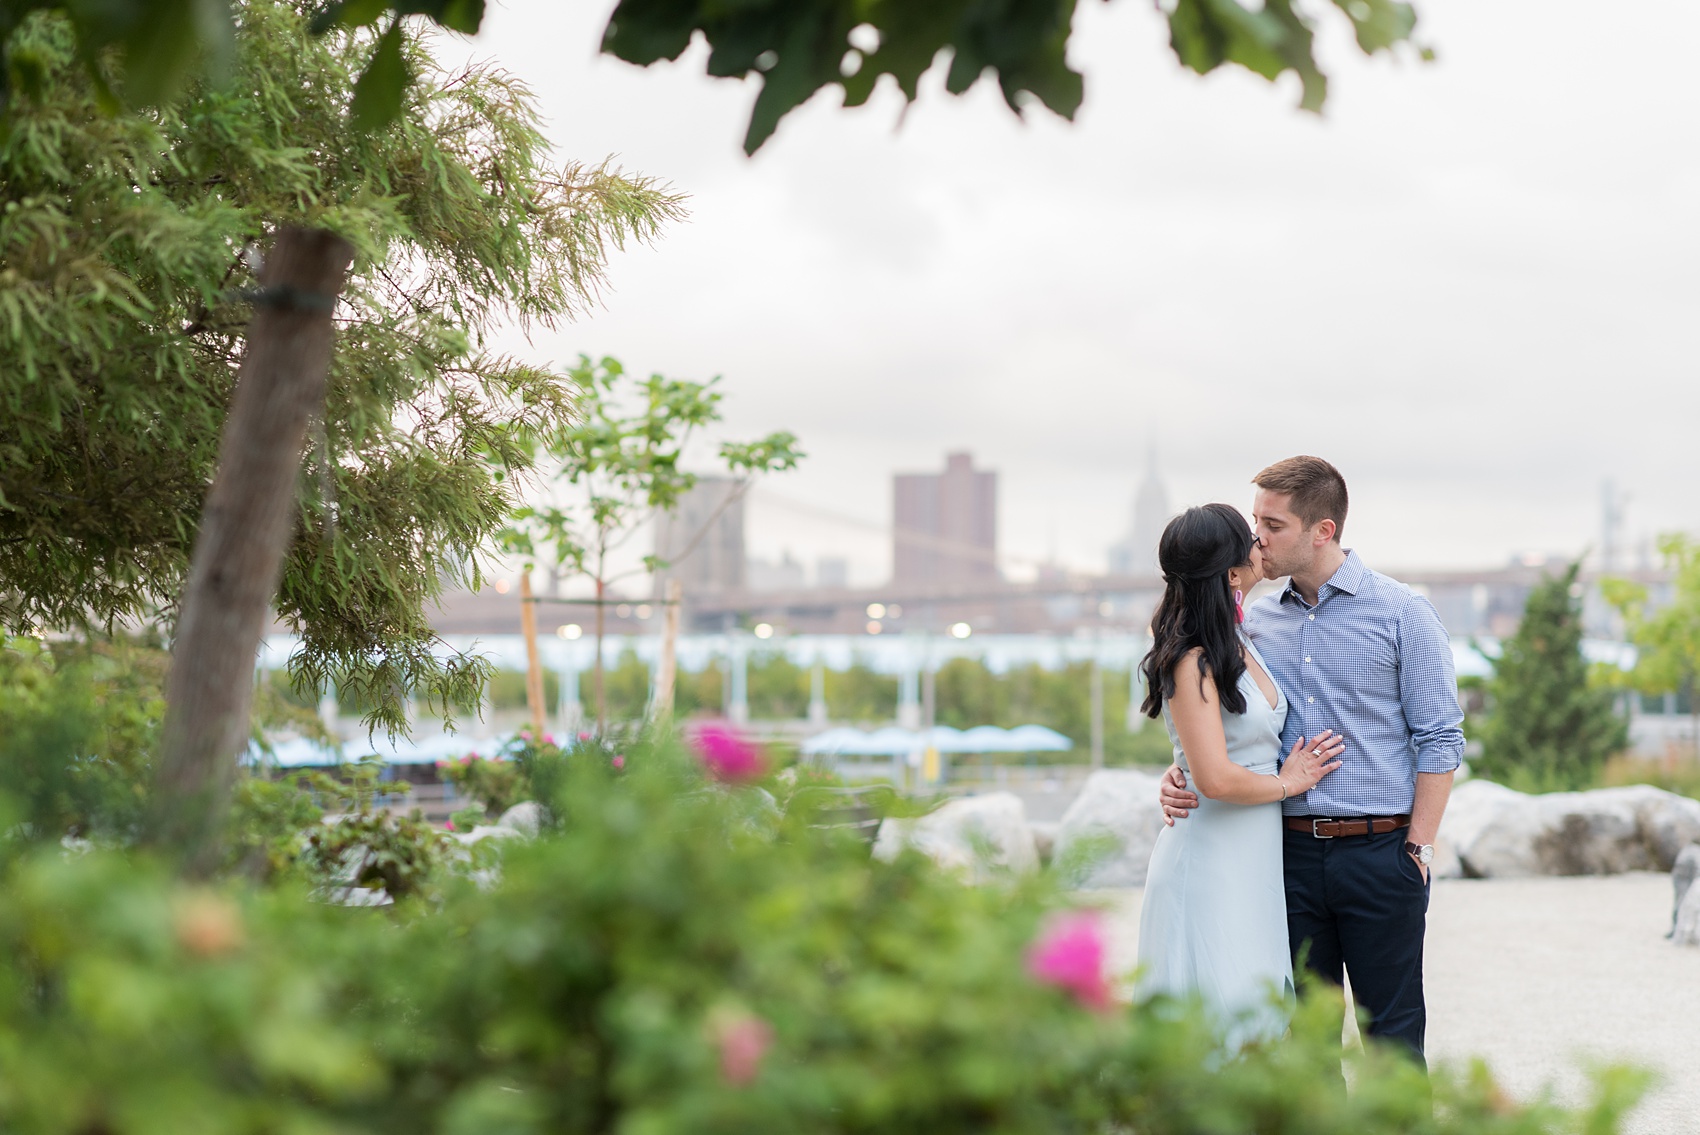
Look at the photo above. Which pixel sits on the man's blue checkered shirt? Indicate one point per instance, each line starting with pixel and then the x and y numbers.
pixel 1372 661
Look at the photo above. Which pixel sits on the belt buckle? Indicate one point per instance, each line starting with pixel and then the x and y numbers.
pixel 1315 820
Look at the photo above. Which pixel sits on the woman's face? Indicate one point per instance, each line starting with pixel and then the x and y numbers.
pixel 1247 575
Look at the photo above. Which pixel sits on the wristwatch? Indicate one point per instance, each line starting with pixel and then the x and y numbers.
pixel 1423 852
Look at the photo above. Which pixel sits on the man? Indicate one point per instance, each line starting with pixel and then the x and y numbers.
pixel 1362 654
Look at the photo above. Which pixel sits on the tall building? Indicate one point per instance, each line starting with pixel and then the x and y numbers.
pixel 1136 553
pixel 767 575
pixel 945 525
pixel 702 538
pixel 832 571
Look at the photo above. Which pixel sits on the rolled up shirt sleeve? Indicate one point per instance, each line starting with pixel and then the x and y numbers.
pixel 1428 688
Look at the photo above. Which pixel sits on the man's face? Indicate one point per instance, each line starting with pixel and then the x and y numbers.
pixel 1287 543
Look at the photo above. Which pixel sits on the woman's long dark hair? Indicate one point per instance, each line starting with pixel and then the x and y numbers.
pixel 1197 609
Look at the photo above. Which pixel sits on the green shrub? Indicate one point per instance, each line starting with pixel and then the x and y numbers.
pixel 77 724
pixel 496 784
pixel 675 956
pixel 1549 726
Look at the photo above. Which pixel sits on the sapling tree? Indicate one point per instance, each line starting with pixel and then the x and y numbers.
pixel 1667 638
pixel 617 464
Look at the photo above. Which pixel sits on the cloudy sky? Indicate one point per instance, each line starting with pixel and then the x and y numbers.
pixel 1471 284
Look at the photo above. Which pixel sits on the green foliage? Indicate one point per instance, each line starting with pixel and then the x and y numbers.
pixel 620 455
pixel 778 688
pixel 701 694
pixel 657 964
pixel 861 695
pixel 334 833
pixel 126 244
pixel 378 850
pixel 1548 726
pixel 795 47
pixel 269 820
pixel 1667 639
pixel 497 785
pixel 798 48
pixel 618 461
pixel 77 727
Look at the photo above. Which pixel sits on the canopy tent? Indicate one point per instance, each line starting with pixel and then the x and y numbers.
pixel 894 742
pixel 301 752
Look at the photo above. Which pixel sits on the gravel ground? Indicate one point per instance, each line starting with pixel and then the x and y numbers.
pixel 1541 976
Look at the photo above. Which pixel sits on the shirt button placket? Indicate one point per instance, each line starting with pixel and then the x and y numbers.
pixel 1304 644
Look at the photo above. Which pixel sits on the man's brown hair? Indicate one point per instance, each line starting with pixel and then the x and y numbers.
pixel 1317 490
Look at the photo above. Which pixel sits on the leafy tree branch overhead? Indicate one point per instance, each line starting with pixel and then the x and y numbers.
pixel 794 47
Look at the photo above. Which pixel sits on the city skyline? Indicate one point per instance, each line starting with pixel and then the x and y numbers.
pixel 1466 284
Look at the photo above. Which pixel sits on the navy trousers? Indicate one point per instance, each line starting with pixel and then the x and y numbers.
pixel 1358 906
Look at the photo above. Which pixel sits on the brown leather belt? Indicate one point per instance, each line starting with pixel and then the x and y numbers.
pixel 1324 827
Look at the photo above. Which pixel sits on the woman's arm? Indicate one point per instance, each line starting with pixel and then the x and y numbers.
pixel 1197 713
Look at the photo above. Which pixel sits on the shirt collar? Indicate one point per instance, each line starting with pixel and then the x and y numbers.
pixel 1348 577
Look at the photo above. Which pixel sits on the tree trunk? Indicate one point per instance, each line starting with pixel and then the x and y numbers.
pixel 601 689
pixel 245 530
pixel 533 661
pixel 667 673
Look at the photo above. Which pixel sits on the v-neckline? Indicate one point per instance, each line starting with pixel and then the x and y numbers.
pixel 1251 660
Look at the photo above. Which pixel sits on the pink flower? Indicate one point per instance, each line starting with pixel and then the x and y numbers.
pixel 619 762
pixel 725 754
pixel 1070 953
pixel 584 736
pixel 548 738
pixel 743 1040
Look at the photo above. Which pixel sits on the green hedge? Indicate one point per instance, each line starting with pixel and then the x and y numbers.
pixel 674 956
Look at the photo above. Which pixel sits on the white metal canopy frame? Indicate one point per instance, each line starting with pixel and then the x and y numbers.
pixel 894 742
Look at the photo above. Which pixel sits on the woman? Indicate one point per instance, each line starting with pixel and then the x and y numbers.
pixel 1214 924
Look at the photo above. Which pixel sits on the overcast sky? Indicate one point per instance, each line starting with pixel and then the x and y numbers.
pixel 1471 284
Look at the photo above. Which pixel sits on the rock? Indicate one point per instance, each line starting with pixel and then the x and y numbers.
pixel 1044 839
pixel 482 832
pixel 526 818
pixel 1498 833
pixel 1473 806
pixel 982 836
pixel 1670 824
pixel 1686 932
pixel 1682 875
pixel 1117 811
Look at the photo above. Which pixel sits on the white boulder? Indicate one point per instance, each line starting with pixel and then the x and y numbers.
pixel 526 818
pixel 1044 838
pixel 982 836
pixel 1498 833
pixel 1685 907
pixel 1473 806
pixel 1113 824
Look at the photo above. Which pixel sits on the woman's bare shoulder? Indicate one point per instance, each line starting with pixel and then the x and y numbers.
pixel 1192 664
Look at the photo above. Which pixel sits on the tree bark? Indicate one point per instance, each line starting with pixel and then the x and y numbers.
pixel 244 533
pixel 667 671
pixel 533 660
pixel 601 688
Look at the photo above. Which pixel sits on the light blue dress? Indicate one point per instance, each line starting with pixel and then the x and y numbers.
pixel 1214 923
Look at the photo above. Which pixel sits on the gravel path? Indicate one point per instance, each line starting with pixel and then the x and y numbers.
pixel 1541 975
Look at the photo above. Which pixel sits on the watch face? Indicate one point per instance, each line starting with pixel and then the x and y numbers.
pixel 1425 854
